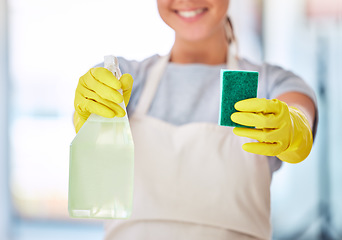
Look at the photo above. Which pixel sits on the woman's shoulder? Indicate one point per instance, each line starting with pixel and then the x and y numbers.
pixel 136 67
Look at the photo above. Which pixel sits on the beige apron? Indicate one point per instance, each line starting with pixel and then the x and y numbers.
pixel 193 181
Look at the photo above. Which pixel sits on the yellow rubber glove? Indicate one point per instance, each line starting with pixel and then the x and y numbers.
pixel 97 93
pixel 281 130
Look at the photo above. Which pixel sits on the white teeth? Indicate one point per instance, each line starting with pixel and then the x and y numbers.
pixel 189 14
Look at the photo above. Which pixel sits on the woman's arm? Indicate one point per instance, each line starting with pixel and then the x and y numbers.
pixel 282 126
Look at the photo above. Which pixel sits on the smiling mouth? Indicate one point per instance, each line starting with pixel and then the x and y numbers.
pixel 191 13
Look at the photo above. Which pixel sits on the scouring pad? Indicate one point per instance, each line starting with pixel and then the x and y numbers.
pixel 235 86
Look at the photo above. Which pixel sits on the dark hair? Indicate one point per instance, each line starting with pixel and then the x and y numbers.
pixel 230 31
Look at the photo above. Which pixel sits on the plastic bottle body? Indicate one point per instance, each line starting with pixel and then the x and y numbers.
pixel 101 169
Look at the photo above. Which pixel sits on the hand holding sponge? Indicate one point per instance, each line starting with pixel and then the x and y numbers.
pixel 281 130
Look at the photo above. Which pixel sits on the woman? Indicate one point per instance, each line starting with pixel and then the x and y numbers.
pixel 192 179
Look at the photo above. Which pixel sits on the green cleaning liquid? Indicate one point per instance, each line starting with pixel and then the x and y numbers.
pixel 101 166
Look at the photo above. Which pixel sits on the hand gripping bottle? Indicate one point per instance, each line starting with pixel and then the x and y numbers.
pixel 101 165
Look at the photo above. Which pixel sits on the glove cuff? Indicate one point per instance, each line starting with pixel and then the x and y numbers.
pixel 301 138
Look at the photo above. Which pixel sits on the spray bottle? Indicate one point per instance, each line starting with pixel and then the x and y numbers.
pixel 101 165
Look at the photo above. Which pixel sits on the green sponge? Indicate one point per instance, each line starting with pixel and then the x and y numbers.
pixel 235 86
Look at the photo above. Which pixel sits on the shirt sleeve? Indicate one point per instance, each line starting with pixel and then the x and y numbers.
pixel 280 81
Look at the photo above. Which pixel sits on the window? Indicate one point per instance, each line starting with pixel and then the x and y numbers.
pixel 52 44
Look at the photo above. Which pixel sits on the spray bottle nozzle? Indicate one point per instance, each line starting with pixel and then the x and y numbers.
pixel 112 64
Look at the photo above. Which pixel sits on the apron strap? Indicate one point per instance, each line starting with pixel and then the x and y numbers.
pixel 232 56
pixel 151 84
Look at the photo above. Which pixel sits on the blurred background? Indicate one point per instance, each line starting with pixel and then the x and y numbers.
pixel 45 46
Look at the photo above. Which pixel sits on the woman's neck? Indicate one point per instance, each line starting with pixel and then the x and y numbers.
pixel 211 51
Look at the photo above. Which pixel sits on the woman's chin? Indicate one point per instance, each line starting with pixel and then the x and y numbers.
pixel 190 36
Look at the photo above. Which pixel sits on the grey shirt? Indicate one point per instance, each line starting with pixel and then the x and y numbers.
pixel 191 92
